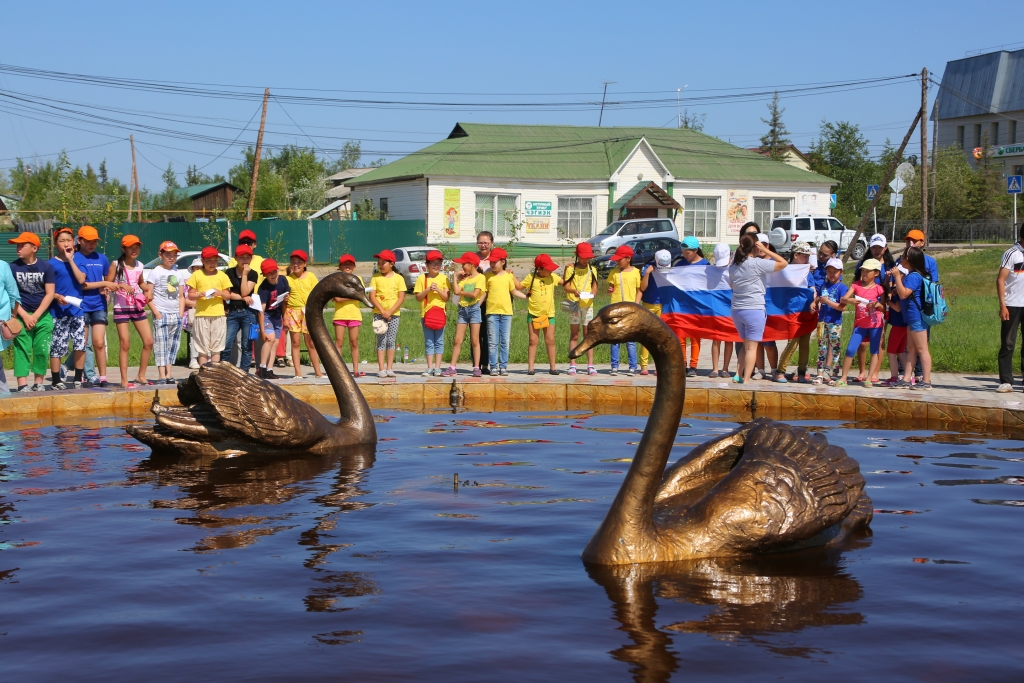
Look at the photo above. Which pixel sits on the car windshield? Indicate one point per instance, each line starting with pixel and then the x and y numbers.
pixel 613 228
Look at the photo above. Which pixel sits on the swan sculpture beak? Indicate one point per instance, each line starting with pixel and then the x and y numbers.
pixel 613 324
pixel 594 336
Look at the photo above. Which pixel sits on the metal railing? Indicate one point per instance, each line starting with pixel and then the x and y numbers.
pixel 959 231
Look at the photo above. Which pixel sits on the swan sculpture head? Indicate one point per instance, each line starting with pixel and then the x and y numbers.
pixel 348 286
pixel 616 324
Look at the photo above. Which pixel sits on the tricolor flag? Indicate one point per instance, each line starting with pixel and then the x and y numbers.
pixel 696 301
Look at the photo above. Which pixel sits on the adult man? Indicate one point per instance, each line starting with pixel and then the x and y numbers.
pixel 1010 289
pixel 915 238
pixel 484 244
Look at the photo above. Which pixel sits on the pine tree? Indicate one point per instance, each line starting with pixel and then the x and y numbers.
pixel 775 142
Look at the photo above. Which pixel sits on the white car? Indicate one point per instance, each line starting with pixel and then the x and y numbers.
pixel 411 262
pixel 185 260
pixel 788 230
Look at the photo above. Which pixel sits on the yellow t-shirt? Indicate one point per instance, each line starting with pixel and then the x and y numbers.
pixel 432 299
pixel 470 285
pixel 542 297
pixel 499 292
pixel 388 289
pixel 583 280
pixel 201 282
pixel 255 265
pixel 300 289
pixel 350 309
pixel 630 284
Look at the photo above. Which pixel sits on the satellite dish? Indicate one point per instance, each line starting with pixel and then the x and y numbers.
pixel 905 172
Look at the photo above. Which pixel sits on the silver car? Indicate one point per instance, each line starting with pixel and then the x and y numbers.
pixel 411 262
pixel 630 230
pixel 185 260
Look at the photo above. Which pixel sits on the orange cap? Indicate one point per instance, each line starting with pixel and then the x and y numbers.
pixel 168 245
pixel 129 240
pixel 915 235
pixel 87 232
pixel 25 238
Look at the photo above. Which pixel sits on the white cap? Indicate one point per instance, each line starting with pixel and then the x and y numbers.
pixel 877 240
pixel 761 237
pixel 722 254
pixel 834 263
pixel 663 259
pixel 198 263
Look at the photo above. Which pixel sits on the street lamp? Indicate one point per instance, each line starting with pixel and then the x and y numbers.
pixel 679 120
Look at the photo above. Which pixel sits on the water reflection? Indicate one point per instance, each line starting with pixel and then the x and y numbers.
pixel 750 598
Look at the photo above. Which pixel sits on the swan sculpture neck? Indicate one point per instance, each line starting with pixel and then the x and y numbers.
pixel 629 523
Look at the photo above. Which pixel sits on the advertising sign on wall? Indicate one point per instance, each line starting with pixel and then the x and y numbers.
pixel 452 201
pixel 538 216
pixel 737 210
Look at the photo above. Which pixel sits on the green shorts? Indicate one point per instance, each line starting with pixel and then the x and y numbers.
pixel 529 319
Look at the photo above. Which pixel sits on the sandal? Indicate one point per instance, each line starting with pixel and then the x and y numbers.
pixel 818 380
pixel 713 375
pixel 861 378
pixel 832 382
pixel 840 383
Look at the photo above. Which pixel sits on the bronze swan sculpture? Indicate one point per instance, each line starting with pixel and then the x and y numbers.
pixel 765 487
pixel 226 411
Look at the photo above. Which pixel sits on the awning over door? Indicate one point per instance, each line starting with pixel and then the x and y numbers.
pixel 647 195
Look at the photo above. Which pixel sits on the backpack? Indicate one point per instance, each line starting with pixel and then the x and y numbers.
pixel 934 308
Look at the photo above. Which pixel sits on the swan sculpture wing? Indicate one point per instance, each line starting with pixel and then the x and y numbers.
pixel 706 464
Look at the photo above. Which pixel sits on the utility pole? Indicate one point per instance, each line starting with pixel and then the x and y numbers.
pixel 256 160
pixel 135 182
pixel 924 154
pixel 605 94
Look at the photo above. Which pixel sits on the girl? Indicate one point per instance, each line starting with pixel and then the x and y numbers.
pixel 501 286
pixel 830 320
pixel 877 249
pixel 896 344
pixel 722 258
pixel 68 318
pixel 387 292
pixel 300 284
pixel 692 256
pixel 347 315
pixel 868 322
pixel 749 268
pixel 130 300
pixel 471 287
pixel 800 255
pixel 190 316
pixel 580 289
pixel 910 288
pixel 433 292
pixel 539 287
pixel 650 299
pixel 168 310
pixel 273 293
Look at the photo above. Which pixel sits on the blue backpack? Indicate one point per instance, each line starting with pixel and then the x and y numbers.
pixel 934 308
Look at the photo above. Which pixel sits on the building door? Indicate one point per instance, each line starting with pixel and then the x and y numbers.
pixel 641 213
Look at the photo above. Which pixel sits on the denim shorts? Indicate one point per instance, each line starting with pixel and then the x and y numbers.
pixel 96 317
pixel 470 315
pixel 272 326
pixel 750 323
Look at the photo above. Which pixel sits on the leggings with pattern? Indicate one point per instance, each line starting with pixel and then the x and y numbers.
pixel 388 340
pixel 828 338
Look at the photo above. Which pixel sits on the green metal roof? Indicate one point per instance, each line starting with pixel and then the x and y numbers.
pixel 193 191
pixel 581 153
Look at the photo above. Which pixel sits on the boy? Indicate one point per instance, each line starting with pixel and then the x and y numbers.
pixel 68 318
pixel 94 304
pixel 35 280
pixel 209 288
pixel 273 294
pixel 624 285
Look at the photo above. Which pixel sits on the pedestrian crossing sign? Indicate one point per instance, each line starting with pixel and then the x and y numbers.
pixel 1013 184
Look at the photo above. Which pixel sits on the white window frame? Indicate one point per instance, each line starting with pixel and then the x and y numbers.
pixel 692 214
pixel 499 234
pixel 563 224
pixel 773 211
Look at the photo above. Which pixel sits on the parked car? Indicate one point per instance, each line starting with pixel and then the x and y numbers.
pixel 643 253
pixel 185 259
pixel 630 230
pixel 788 230
pixel 411 262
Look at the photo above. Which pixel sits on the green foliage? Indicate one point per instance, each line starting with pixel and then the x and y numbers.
pixel 775 141
pixel 841 152
pixel 274 247
pixel 692 121
pixel 193 176
pixel 362 210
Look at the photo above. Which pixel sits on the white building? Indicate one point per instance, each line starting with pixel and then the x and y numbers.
pixel 566 183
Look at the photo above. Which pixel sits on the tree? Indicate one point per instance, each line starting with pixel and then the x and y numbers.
pixel 193 176
pixel 841 153
pixel 103 175
pixel 692 121
pixel 775 142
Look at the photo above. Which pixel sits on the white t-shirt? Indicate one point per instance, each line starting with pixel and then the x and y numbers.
pixel 1013 261
pixel 165 288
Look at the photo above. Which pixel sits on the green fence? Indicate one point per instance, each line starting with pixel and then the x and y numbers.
pixel 325 241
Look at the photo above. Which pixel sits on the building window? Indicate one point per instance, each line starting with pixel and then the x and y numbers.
pixel 767 208
pixel 960 136
pixel 384 206
pixel 977 135
pixel 576 217
pixel 700 217
pixel 495 212
pixel 995 133
pixel 1013 133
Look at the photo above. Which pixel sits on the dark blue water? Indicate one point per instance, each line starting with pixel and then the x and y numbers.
pixel 115 565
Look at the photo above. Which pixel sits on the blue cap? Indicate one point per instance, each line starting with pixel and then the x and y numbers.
pixel 691 242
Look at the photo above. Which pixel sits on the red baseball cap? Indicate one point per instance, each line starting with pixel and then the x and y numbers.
pixel 346 258
pixel 584 250
pixel 435 255
pixel 168 245
pixel 497 254
pixel 209 252
pixel 243 249
pixel 25 238
pixel 300 254
pixel 269 266
pixel 387 255
pixel 247 233
pixel 468 257
pixel 544 261
pixel 622 252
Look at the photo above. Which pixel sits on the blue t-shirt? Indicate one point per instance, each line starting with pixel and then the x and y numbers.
pixel 65 284
pixel 32 281
pixel 820 276
pixel 269 294
pixel 835 293
pixel 651 295
pixel 95 267
pixel 912 304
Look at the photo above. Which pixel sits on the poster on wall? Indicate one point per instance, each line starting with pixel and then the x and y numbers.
pixel 737 210
pixel 537 216
pixel 452 201
pixel 807 202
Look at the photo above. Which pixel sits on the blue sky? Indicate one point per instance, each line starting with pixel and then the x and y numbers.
pixel 484 51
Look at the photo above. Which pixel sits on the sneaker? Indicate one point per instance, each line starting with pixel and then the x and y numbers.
pixel 552 372
pixel 691 372
pixel 530 372
pixel 476 372
pixel 269 374
pixel 1004 388
pixel 644 372
pixel 631 371
pixel 572 369
pixel 391 373
pixel 903 384
pixel 37 387
pixel 382 374
pixel 591 370
pixel 103 384
pixel 757 375
pixel 59 386
pixel 485 371
pixel 503 372
pixel 258 374
pixel 194 364
pixel 23 387
pixel 923 386
pixel 429 372
pixel 614 371
pixel 449 372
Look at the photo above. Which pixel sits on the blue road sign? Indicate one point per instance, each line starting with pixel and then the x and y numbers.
pixel 831 201
pixel 872 191
pixel 1013 184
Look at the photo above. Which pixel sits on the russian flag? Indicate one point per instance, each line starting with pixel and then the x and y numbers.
pixel 696 301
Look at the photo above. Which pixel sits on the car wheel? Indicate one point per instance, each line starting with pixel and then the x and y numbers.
pixel 858 251
pixel 610 251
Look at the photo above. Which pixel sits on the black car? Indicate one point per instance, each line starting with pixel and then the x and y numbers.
pixel 643 253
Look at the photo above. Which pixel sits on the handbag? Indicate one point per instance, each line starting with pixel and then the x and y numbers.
pixel 435 318
pixel 9 329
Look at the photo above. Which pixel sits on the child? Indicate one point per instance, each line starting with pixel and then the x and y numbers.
pixel 240 319
pixel 387 292
pixel 800 255
pixel 190 316
pixel 209 288
pixel 433 292
pixel 273 293
pixel 539 287
pixel 35 280
pixel 68 319
pixel 868 322
pixel 722 258
pixel 301 282
pixel 168 307
pixel 830 320
pixel 501 286
pixel 94 301
pixel 130 300
pixel 348 316
pixel 910 288
pixel 470 286
pixel 580 289
pixel 896 345
pixel 624 285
